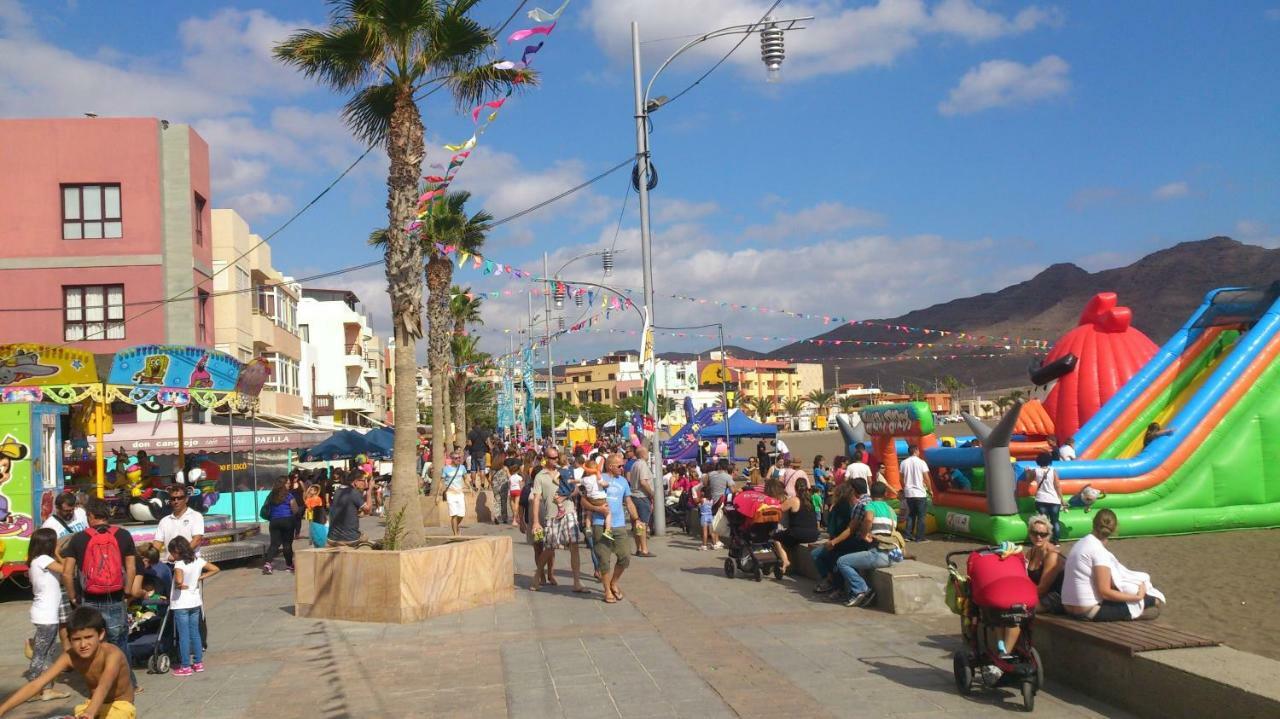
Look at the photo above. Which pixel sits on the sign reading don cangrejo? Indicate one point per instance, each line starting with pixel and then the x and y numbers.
pixel 909 419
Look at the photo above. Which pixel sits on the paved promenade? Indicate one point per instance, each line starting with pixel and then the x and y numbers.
pixel 685 642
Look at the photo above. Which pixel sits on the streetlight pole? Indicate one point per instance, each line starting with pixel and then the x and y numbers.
pixel 646 259
pixel 772 54
pixel 546 333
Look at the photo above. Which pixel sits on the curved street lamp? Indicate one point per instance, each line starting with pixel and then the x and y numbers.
pixel 772 53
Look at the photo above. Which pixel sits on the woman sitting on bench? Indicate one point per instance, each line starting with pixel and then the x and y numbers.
pixel 1098 588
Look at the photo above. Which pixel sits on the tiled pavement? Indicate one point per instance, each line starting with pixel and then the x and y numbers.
pixel 686 642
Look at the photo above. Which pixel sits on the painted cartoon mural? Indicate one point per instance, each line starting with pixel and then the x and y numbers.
pixel 174 367
pixel 32 365
pixel 15 471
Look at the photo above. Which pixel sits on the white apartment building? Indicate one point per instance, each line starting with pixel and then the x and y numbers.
pixel 346 359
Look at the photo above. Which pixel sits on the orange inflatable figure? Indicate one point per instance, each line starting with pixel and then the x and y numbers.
pixel 1108 353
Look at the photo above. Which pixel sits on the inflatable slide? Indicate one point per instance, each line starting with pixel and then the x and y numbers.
pixel 1214 390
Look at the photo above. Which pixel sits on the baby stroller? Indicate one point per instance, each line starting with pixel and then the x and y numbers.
pixel 750 539
pixel 992 595
pixel 154 637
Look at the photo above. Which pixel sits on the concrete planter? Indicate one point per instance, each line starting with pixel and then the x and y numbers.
pixel 448 575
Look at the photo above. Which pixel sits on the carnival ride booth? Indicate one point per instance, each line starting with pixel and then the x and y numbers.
pixel 47 380
pixel 30 473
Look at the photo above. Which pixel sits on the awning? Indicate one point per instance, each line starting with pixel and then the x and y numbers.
pixel 207 438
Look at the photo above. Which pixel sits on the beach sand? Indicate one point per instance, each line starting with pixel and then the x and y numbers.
pixel 1220 584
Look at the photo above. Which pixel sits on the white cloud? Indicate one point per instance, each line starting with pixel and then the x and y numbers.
pixel 677 210
pixel 821 220
pixel 692 259
pixel 259 204
pixel 1256 232
pixel 840 39
pixel 1171 191
pixel 1001 83
pixel 230 53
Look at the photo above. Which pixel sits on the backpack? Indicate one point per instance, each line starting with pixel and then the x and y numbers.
pixel 103 569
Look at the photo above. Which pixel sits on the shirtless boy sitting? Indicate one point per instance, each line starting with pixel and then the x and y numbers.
pixel 102 665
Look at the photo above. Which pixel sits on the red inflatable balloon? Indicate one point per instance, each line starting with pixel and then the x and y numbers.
pixel 1109 351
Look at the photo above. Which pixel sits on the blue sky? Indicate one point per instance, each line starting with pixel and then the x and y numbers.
pixel 915 152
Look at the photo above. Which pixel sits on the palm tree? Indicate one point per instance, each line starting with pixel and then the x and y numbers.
pixel 793 407
pixel 383 53
pixel 464 309
pixel 761 407
pixel 914 391
pixel 849 405
pixel 465 353
pixel 820 399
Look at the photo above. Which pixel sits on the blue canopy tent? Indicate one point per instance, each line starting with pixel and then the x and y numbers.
pixel 739 426
pixel 343 444
pixel 380 441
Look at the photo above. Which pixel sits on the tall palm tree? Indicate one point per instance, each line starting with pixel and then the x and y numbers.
pixel 448 224
pixel 849 405
pixel 821 400
pixel 793 407
pixel 382 53
pixel 464 351
pixel 464 309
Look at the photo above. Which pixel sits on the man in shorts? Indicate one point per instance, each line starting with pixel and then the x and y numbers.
pixel 614 557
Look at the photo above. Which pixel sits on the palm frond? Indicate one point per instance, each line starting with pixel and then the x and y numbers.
pixel 368 112
pixel 343 56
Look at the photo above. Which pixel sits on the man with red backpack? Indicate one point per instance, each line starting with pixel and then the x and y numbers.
pixel 103 558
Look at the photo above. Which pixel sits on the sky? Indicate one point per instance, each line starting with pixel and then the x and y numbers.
pixel 914 152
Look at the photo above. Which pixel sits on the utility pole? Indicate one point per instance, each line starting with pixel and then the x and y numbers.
pixel 546 330
pixel 646 259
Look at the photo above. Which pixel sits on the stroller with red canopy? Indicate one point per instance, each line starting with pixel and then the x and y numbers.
pixel 993 595
pixel 753 519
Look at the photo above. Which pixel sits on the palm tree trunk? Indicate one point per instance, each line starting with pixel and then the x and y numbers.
pixel 404 285
pixel 439 274
pixel 460 408
pixel 459 394
pixel 446 401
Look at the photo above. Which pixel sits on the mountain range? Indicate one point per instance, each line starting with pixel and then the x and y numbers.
pixel 1161 288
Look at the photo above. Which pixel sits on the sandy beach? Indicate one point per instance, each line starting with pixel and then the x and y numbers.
pixel 1220 584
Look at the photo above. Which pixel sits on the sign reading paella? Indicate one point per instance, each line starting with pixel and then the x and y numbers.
pixel 909 419
pixel 176 367
pixel 34 365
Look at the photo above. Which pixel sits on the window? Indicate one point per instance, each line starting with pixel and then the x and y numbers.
pixel 242 279
pixel 91 212
pixel 202 317
pixel 304 331
pixel 199 219
pixel 285 375
pixel 93 312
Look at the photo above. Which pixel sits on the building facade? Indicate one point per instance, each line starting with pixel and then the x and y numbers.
pixel 256 312
pixel 102 220
pixel 346 360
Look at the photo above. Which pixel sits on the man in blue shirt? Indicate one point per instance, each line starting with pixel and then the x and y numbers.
pixel 614 557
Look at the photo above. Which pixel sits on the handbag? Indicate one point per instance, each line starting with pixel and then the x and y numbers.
pixel 720 524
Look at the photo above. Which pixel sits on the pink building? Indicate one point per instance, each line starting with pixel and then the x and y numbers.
pixel 100 218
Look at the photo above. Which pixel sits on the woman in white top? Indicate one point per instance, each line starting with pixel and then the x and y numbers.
pixel 1048 491
pixel 1089 588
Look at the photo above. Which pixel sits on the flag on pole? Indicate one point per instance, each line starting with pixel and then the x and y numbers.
pixel 649 374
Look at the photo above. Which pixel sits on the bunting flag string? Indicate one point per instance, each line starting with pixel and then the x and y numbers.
pixel 862 358
pixel 437 185
pixel 1030 343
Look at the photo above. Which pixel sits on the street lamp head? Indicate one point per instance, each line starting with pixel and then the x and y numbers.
pixel 656 103
pixel 772 50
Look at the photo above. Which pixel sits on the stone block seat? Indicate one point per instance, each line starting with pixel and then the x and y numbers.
pixel 1155 670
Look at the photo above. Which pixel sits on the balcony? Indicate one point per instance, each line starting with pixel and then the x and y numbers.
pixel 356 399
pixel 353 355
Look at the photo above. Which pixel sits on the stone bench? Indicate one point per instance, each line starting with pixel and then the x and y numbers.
pixel 1154 670
pixel 911 587
pixel 908 587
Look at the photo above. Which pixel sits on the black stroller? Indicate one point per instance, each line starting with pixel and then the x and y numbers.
pixel 751 547
pixel 154 637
